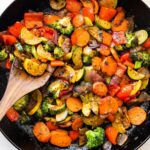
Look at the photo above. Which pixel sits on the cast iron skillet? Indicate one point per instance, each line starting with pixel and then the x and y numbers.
pixel 21 136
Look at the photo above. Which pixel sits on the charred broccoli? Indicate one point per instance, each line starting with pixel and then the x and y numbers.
pixel 21 103
pixel 95 138
pixel 63 25
pixel 132 40
pixel 142 57
pixel 49 46
pixel 58 53
pixel 3 55
pixel 24 118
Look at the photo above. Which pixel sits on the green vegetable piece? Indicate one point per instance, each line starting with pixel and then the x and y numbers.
pixel 79 74
pixel 39 113
pixel 45 105
pixel 138 64
pixel 24 118
pixel 58 52
pixel 55 109
pixel 11 57
pixel 142 36
pixel 144 84
pixel 21 103
pixel 61 116
pixel 49 46
pixel 134 74
pixel 77 57
pixel 19 47
pixel 34 52
pixel 27 48
pixel 132 40
pixel 3 55
pixel 63 25
pixel 95 137
pixel 102 24
pixel 87 60
pixel 119 47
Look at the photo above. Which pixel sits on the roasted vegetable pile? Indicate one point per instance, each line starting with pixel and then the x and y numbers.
pixel 101 69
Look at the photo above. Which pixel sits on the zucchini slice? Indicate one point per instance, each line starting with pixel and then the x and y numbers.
pixel 102 24
pixel 55 109
pixel 87 21
pixel 142 36
pixel 144 84
pixel 134 74
pixel 34 68
pixel 136 87
pixel 79 74
pixel 57 4
pixel 29 38
pixel 62 116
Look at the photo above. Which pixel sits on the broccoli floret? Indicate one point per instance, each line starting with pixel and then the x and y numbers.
pixel 132 40
pixel 45 105
pixel 49 46
pixel 95 138
pixel 143 56
pixel 21 103
pixel 24 118
pixel 3 55
pixel 63 25
pixel 58 53
pixel 27 48
pixel 39 114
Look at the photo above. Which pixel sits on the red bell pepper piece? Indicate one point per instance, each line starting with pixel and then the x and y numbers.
pixel 8 64
pixel 32 20
pixel 147 43
pixel 88 12
pixel 119 38
pixel 8 39
pixel 125 57
pixel 113 89
pixel 15 29
pixel 12 115
pixel 125 91
pixel 107 13
pixel 74 135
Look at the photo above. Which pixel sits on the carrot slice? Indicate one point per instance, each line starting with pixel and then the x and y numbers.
pixel 111 133
pixel 115 55
pixel 137 115
pixel 77 124
pixel 80 37
pixel 104 50
pixel 32 20
pixel 99 88
pixel 107 38
pixel 15 29
pixel 61 140
pixel 111 117
pixel 109 66
pixel 74 104
pixel 78 20
pixel 41 132
pixel 49 19
pixel 96 63
pixel 59 132
pixel 73 6
pixel 108 105
pixel 74 135
pixel 107 13
pixel 51 125
pixel 57 63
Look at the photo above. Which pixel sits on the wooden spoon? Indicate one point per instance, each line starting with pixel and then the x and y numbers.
pixel 20 84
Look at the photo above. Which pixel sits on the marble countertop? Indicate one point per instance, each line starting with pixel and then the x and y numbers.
pixel 4 143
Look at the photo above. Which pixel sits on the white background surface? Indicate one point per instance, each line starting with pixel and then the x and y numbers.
pixel 4 143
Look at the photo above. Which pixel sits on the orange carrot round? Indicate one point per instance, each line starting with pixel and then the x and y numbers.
pixel 78 20
pixel 96 63
pixel 109 66
pixel 111 117
pixel 74 104
pixel 99 88
pixel 49 19
pixel 108 105
pixel 41 132
pixel 80 37
pixel 111 134
pixel 77 124
pixel 137 115
pixel 57 63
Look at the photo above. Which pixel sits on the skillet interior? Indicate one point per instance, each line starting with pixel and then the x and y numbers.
pixel 22 136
